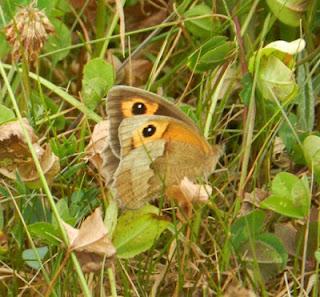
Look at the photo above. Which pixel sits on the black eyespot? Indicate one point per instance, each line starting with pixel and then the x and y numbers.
pixel 149 131
pixel 138 108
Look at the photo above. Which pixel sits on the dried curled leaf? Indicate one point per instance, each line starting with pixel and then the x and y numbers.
pixel 275 71
pixel 137 72
pixel 91 242
pixel 235 290
pixel 187 193
pixel 98 142
pixel 191 192
pixel 99 152
pixel 15 155
pixel 291 48
pixel 147 15
pixel 251 201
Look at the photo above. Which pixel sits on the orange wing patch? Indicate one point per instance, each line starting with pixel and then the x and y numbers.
pixel 170 131
pixel 181 133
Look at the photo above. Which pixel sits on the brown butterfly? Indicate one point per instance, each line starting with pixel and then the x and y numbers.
pixel 153 145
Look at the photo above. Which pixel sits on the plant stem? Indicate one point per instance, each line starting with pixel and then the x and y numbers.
pixel 45 185
pixel 60 92
pixel 101 19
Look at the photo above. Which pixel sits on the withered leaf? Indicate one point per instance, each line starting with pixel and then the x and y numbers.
pixel 91 242
pixel 143 16
pixel 189 191
pixel 238 291
pixel 252 200
pixel 287 234
pixel 137 72
pixel 15 155
pixel 98 142
pixel 99 153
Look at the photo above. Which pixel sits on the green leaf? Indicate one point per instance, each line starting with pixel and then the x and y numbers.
pixel 9 8
pixel 62 7
pixel 211 53
pixel 61 39
pixel 63 209
pixel 200 27
pixel 1 217
pixel 98 78
pixel 311 151
pixel 273 250
pixel 311 243
pixel 246 227
pixel 31 259
pixel 290 196
pixel 268 252
pixel 137 230
pixel 59 122
pixel 6 114
pixel 276 80
pixel 45 232
pixel 305 99
pixel 64 147
pixel 247 83
pixel 4 46
pixel 289 139
pixel 111 215
pixel 289 12
pixel 46 5
pixel 317 255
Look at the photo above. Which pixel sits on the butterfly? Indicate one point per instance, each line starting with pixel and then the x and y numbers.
pixel 152 146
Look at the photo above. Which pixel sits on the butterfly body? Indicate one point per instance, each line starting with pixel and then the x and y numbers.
pixel 155 145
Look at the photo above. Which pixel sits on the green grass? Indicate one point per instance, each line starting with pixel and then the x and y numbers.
pixel 237 241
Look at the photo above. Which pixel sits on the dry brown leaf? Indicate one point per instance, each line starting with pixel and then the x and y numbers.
pixel 252 200
pixel 137 72
pixel 89 11
pixel 238 291
pixel 287 234
pixel 99 153
pixel 119 7
pixel 98 142
pixel 91 242
pixel 188 193
pixel 116 64
pixel 279 154
pixel 145 15
pixel 15 155
pixel 3 242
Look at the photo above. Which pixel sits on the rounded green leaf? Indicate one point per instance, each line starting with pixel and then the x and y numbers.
pixel 61 39
pixel 45 232
pixel 289 12
pixel 4 46
pixel 98 78
pixel 311 151
pixel 6 114
pixel 31 257
pixel 213 52
pixel 246 227
pixel 276 80
pixel 290 196
pixel 137 231
pixel 317 255
pixel 268 249
pixel 200 27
